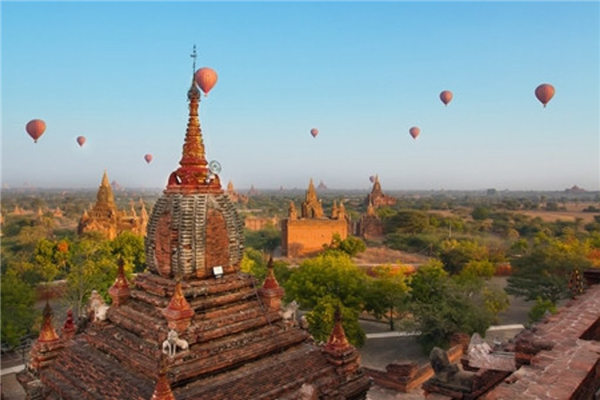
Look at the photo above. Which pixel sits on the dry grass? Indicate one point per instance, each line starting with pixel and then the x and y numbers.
pixel 383 255
pixel 551 216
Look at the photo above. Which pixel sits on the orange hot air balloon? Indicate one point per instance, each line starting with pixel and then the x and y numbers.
pixel 544 93
pixel 446 97
pixel 81 140
pixel 414 132
pixel 314 132
pixel 206 78
pixel 148 158
pixel 35 128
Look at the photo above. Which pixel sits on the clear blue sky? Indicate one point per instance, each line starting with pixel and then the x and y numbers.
pixel 362 73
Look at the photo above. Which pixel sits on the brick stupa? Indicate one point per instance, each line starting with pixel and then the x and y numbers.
pixel 229 340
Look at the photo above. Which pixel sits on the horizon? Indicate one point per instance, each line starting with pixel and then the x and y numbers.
pixel 362 73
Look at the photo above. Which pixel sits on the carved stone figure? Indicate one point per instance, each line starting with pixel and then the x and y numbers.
pixel 170 346
pixel 448 374
pixel 289 313
pixel 97 308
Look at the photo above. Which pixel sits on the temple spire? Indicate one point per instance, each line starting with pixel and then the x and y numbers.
pixel 193 174
pixel 47 333
pixel 162 390
pixel 105 182
pixel 337 340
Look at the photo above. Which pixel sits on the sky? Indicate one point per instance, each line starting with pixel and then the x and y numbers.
pixel 362 73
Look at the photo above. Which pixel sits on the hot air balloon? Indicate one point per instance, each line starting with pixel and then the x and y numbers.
pixel 372 178
pixel 206 78
pixel 446 97
pixel 314 132
pixel 81 140
pixel 35 128
pixel 148 158
pixel 544 93
pixel 414 132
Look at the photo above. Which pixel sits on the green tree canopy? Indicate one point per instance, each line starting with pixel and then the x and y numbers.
pixel 456 254
pixel 387 293
pixel 266 239
pixel 442 306
pixel 130 247
pixel 331 274
pixel 351 245
pixel 544 270
pixel 18 314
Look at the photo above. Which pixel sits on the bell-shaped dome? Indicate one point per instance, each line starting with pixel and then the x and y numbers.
pixel 193 227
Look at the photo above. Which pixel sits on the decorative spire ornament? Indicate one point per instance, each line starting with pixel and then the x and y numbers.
pixel 119 291
pixel 193 176
pixel 178 313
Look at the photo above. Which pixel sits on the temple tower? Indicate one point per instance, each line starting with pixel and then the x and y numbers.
pixel 311 206
pixel 193 326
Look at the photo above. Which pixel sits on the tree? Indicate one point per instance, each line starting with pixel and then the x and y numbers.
pixel 540 308
pixel 254 263
pixel 18 314
pixel 407 221
pixel 442 306
pixel 545 269
pixel 322 318
pixel 351 245
pixel 480 213
pixel 93 266
pixel 456 254
pixel 267 239
pixel 48 260
pixel 130 247
pixel 331 274
pixel 386 294
pixel 323 282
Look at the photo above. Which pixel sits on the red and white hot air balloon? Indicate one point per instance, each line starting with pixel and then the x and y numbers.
pixel 314 132
pixel 148 158
pixel 414 132
pixel 80 140
pixel 544 93
pixel 35 128
pixel 206 78
pixel 446 97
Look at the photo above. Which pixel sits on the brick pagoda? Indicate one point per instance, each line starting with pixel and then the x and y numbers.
pixel 104 217
pixel 376 198
pixel 194 326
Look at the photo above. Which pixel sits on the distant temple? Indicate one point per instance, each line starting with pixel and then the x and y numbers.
pixel 235 196
pixel 193 326
pixel 104 217
pixel 19 211
pixel 308 233
pixel 377 198
pixel 575 189
pixel 253 191
pixel 322 186
pixel 369 225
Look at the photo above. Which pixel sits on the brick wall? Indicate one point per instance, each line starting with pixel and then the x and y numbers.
pixel 217 241
pixel 307 236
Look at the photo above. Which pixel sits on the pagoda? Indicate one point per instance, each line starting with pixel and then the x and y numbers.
pixel 376 198
pixel 104 216
pixel 194 326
